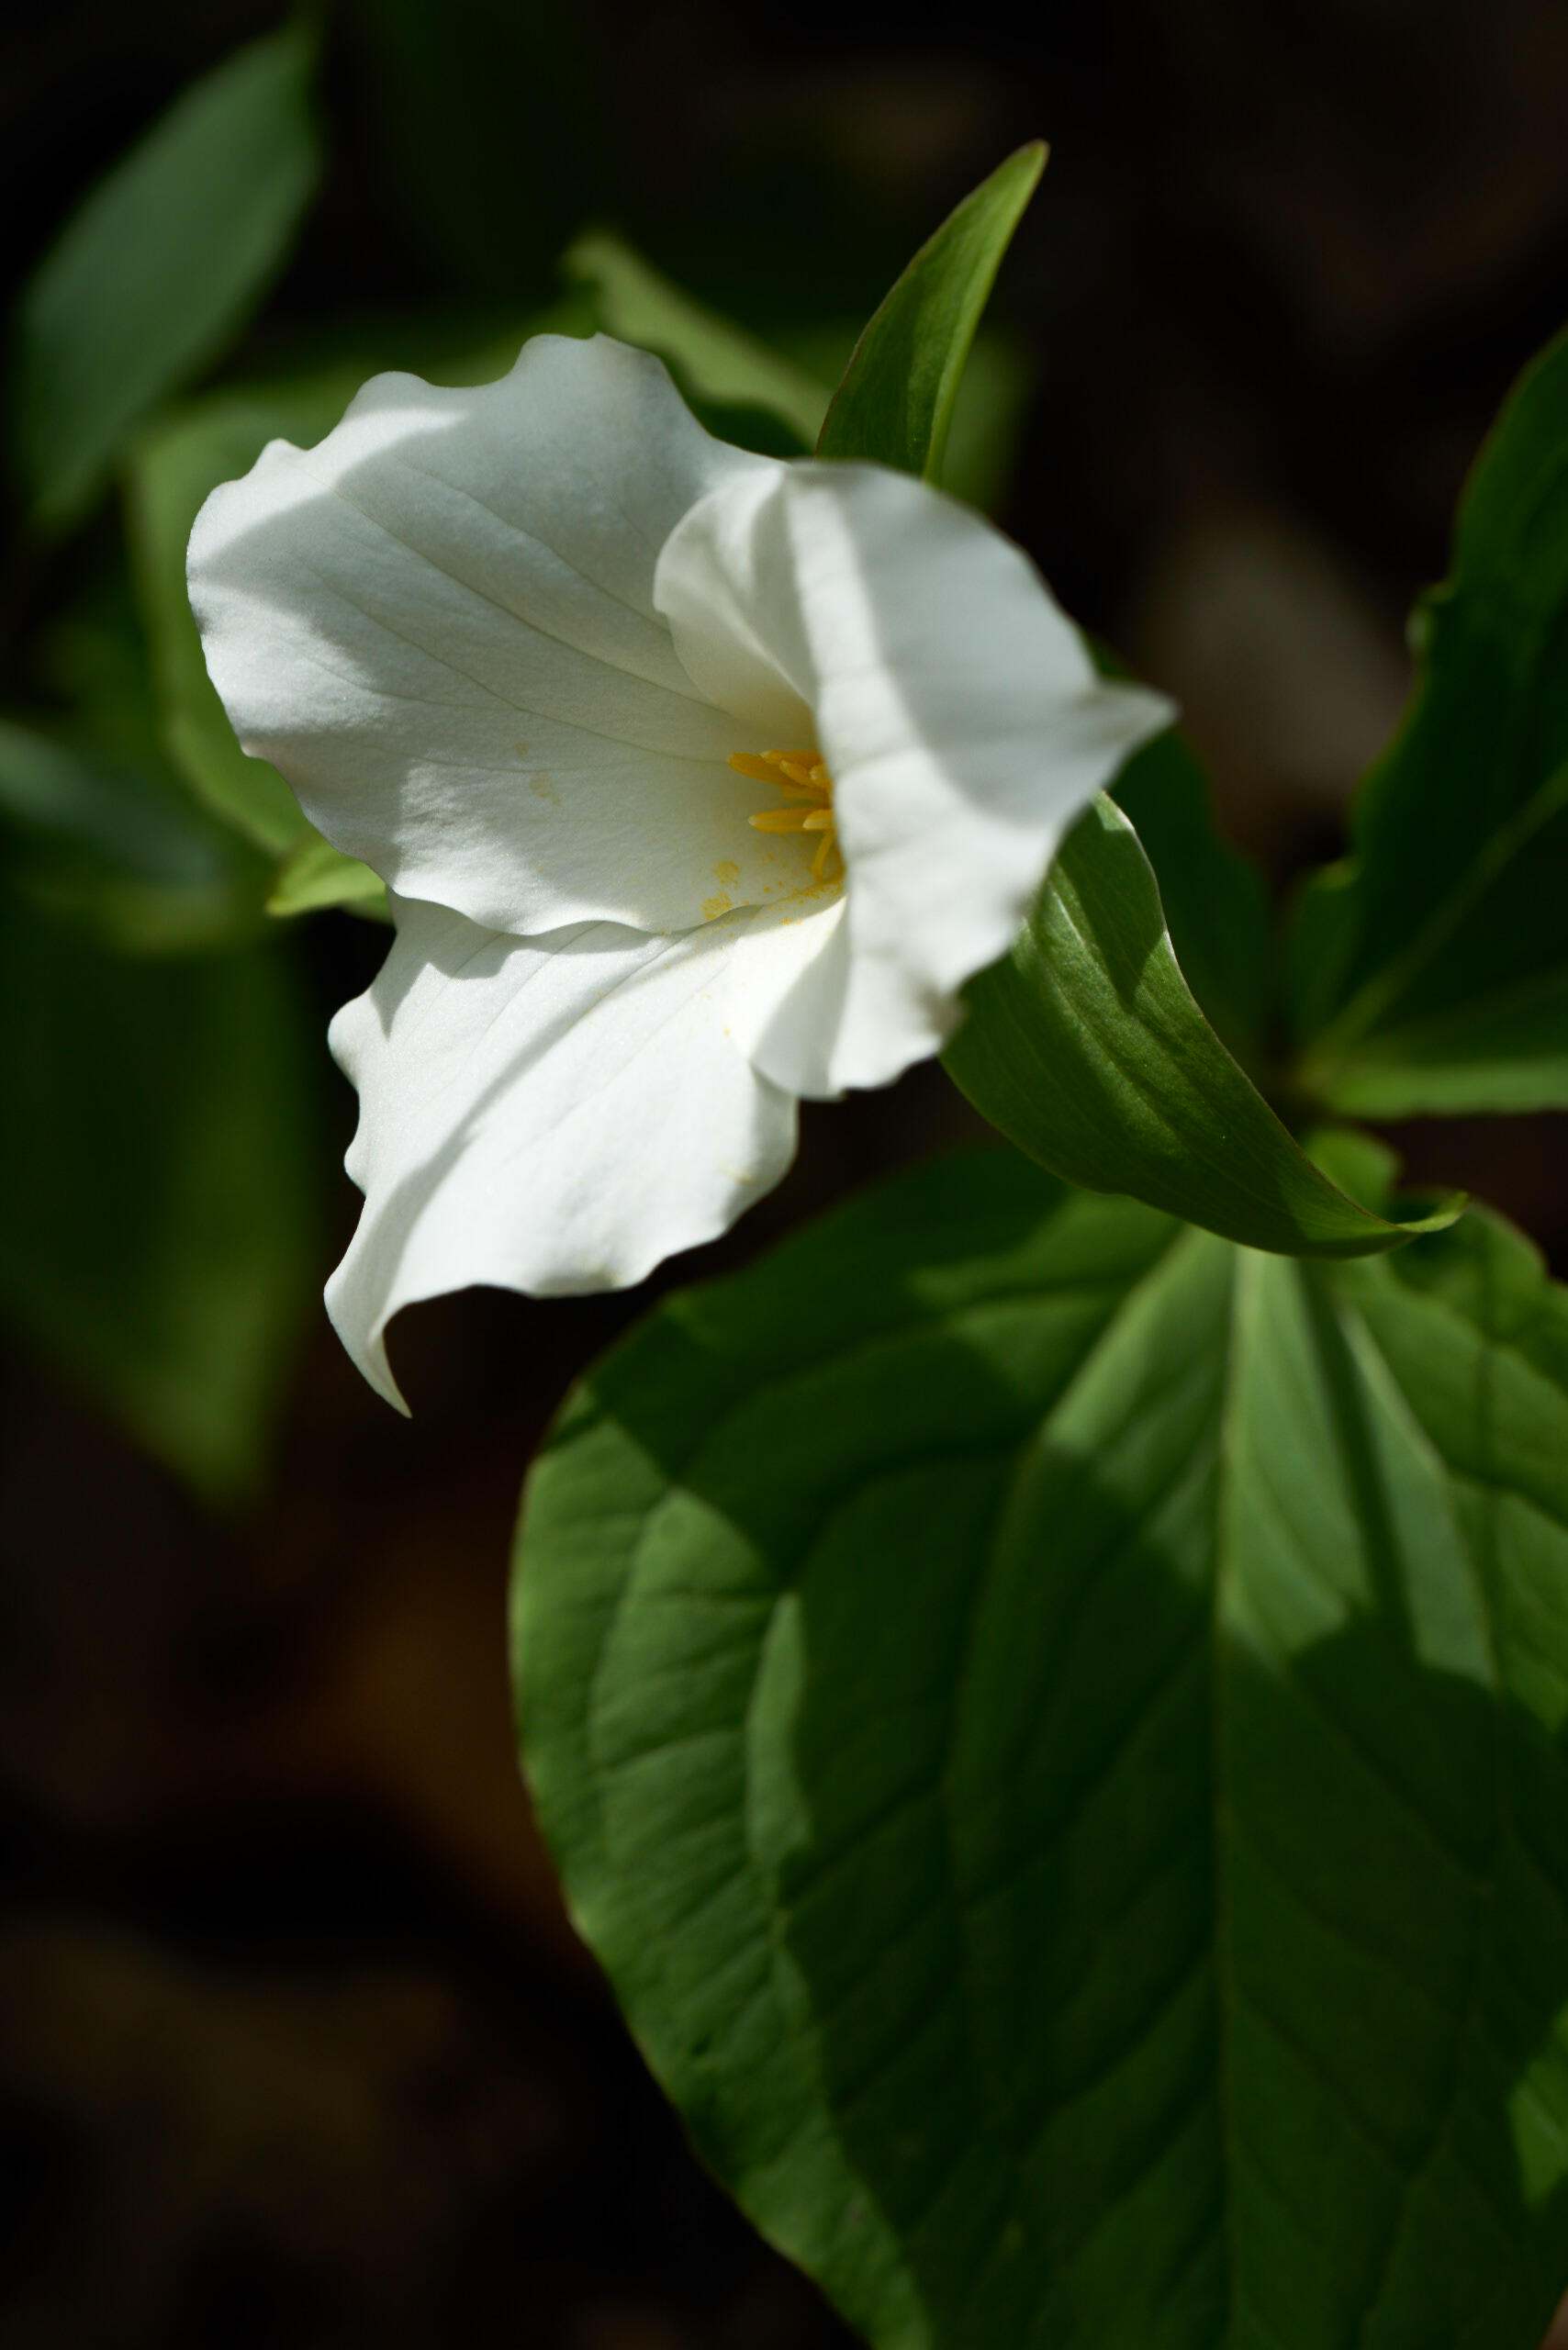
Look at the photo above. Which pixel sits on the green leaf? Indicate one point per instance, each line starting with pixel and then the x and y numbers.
pixel 160 267
pixel 1056 1728
pixel 726 375
pixel 1085 1047
pixel 316 875
pixel 990 415
pixel 158 1212
pixel 895 403
pixel 1215 906
pixel 1431 969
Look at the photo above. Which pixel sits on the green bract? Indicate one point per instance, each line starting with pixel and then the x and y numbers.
pixel 1055 1726
pixel 1086 1047
pixel 896 400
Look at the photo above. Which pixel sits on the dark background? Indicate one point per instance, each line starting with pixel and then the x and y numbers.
pixel 297 2046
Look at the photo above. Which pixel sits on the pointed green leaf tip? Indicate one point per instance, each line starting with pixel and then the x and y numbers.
pixel 895 403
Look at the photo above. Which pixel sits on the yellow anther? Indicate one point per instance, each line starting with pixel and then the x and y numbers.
pixel 783 820
pixel 799 773
pixel 747 763
pixel 804 777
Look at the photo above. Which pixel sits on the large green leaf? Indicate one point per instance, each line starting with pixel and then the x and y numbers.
pixel 158 1189
pixel 895 403
pixel 1431 969
pixel 1056 1728
pixel 1085 1047
pixel 160 267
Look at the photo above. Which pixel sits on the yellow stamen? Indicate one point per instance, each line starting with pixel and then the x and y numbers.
pixel 801 775
pixel 784 770
pixel 783 820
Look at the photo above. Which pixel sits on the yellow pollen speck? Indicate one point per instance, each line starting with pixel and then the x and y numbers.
pixel 724 872
pixel 805 781
pixel 713 907
pixel 542 786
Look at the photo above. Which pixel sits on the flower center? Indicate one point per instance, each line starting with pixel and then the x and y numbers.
pixel 809 804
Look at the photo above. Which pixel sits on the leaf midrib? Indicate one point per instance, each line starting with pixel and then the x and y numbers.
pixel 1365 1009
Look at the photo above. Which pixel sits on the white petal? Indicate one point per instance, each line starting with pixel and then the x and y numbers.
pixel 439 624
pixel 961 717
pixel 552 1114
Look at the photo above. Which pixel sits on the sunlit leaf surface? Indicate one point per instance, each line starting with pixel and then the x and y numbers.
pixel 1086 1047
pixel 895 403
pixel 1055 1726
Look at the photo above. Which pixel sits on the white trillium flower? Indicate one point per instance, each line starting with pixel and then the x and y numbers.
pixel 701 782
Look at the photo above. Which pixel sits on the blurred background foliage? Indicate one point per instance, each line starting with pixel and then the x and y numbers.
pixel 297 2046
